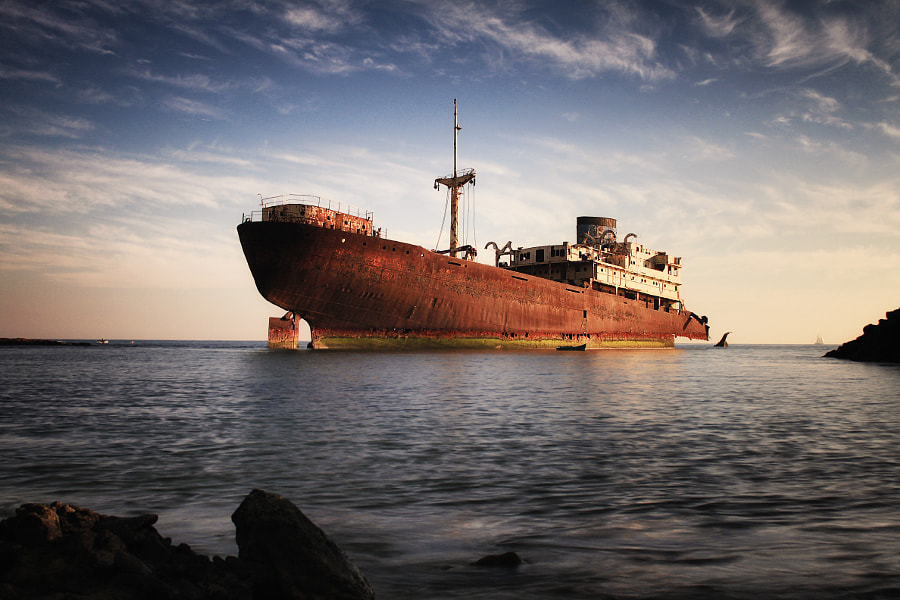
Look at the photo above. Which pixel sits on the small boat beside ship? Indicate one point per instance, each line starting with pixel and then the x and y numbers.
pixel 331 267
pixel 580 348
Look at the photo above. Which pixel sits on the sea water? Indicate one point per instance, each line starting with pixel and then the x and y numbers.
pixel 695 472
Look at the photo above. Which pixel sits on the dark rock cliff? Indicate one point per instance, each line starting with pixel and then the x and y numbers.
pixel 879 342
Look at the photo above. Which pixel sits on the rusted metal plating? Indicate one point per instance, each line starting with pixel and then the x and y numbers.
pixel 356 289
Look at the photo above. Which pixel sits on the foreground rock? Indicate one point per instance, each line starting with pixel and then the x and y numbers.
pixel 506 560
pixel 301 562
pixel 62 551
pixel 878 343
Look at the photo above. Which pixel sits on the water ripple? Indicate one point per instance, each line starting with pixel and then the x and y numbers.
pixel 678 474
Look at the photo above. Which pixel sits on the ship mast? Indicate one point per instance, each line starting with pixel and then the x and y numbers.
pixel 455 183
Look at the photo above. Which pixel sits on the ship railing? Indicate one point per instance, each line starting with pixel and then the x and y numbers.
pixel 309 200
pixel 460 173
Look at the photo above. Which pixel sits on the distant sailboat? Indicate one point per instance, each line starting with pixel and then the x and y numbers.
pixel 819 340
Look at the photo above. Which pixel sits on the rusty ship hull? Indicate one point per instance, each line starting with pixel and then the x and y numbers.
pixel 360 291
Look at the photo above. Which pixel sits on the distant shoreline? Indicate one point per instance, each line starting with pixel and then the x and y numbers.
pixel 35 342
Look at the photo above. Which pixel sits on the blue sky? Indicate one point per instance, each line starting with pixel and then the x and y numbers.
pixel 759 140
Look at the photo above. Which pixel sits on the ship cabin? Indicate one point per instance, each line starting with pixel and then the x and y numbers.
pixel 628 269
pixel 316 211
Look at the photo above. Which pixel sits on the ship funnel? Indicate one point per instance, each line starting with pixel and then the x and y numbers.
pixel 593 229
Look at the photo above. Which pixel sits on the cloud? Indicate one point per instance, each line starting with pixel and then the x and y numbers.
pixel 697 149
pixel 81 181
pixel 320 57
pixel 94 218
pixel 718 26
pixel 28 75
pixel 822 109
pixel 811 106
pixel 315 19
pixel 37 25
pixel 791 40
pixel 121 251
pixel 890 130
pixel 794 36
pixel 194 81
pixel 194 108
pixel 614 47
pixel 788 41
pixel 31 121
pixel 194 56
pixel 125 96
pixel 849 40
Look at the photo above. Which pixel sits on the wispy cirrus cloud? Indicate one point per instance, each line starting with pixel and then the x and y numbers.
pixel 86 181
pixel 327 17
pixel 718 25
pixel 614 46
pixel 32 121
pixel 822 109
pixel 29 75
pixel 777 35
pixel 890 130
pixel 697 149
pixel 315 55
pixel 194 81
pixel 785 38
pixel 808 105
pixel 194 108
pixel 36 24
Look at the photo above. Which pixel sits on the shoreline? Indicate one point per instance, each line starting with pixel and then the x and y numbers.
pixel 38 342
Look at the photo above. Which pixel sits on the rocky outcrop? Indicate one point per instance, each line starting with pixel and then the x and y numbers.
pixel 506 560
pixel 62 551
pixel 878 343
pixel 300 560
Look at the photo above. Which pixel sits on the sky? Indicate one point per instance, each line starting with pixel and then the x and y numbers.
pixel 759 140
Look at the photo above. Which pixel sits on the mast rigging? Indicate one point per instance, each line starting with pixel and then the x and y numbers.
pixel 455 183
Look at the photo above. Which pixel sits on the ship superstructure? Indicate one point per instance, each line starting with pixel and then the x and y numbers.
pixel 627 269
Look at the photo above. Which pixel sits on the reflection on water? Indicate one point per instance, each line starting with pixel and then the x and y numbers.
pixel 694 472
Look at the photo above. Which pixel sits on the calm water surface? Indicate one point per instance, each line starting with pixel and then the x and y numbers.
pixel 697 472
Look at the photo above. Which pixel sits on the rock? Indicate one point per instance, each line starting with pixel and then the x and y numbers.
pixel 36 522
pixel 878 343
pixel 304 563
pixel 507 559
pixel 63 551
